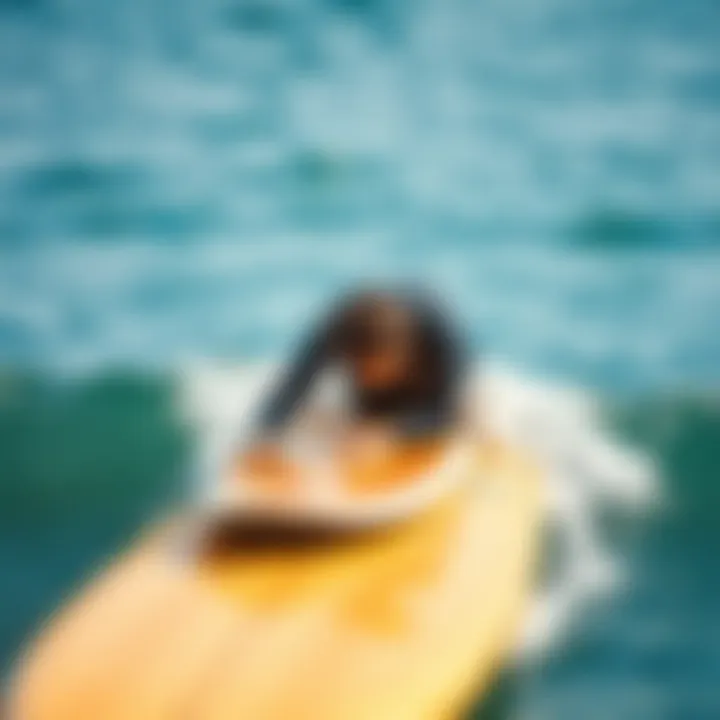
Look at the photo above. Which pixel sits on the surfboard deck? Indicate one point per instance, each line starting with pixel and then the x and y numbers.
pixel 408 622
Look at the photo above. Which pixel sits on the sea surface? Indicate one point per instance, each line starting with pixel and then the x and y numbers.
pixel 187 183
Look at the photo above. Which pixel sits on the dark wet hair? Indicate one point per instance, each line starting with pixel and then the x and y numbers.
pixel 368 323
pixel 365 324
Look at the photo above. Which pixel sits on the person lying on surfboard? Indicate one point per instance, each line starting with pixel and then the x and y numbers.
pixel 402 362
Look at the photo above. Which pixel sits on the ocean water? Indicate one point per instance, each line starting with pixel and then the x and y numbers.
pixel 184 185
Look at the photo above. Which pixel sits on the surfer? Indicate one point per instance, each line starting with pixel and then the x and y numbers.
pixel 401 362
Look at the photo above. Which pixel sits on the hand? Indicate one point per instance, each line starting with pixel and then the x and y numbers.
pixel 264 459
pixel 369 442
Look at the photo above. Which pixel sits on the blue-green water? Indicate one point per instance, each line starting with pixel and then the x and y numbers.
pixel 194 179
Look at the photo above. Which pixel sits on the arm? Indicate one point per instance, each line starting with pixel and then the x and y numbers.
pixel 288 394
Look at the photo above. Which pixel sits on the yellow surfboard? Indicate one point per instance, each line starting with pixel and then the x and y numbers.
pixel 406 622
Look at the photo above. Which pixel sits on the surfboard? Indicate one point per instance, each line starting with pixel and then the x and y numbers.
pixel 408 621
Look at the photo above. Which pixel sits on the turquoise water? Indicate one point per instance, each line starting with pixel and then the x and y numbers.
pixel 184 180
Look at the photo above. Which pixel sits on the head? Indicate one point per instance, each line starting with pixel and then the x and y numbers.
pixel 376 336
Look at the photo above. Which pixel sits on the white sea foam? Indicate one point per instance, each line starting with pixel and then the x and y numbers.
pixel 584 467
